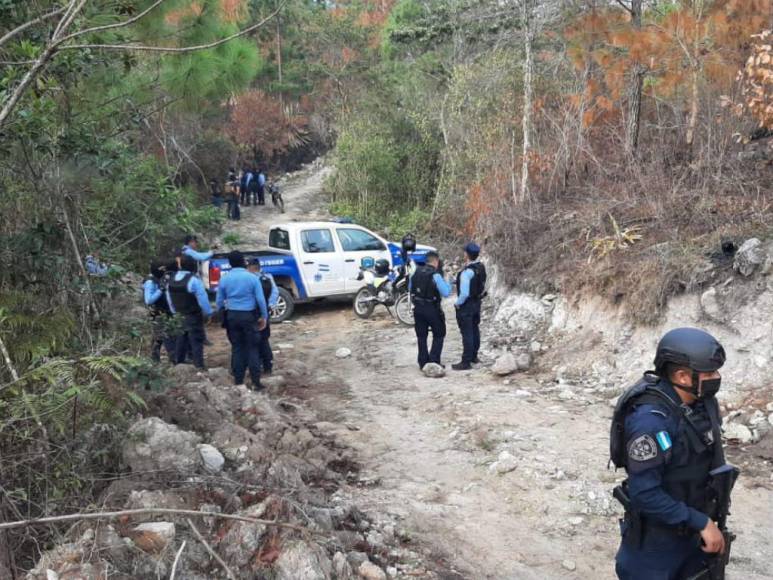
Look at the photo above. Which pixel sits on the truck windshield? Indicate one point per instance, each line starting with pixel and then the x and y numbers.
pixel 279 239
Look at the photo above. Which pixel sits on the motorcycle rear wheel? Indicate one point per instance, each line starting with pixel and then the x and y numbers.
pixel 364 302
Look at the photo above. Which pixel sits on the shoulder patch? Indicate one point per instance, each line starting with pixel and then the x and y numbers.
pixel 664 440
pixel 643 448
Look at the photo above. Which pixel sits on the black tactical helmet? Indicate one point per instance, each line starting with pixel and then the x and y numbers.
pixel 690 347
pixel 409 243
pixel 382 267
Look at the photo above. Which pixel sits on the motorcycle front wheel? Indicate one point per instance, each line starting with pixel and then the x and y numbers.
pixel 404 309
pixel 364 302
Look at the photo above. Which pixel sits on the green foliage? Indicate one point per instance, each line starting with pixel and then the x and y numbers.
pixel 232 239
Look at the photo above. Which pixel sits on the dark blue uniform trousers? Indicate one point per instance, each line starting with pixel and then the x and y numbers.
pixel 663 555
pixel 244 335
pixel 191 341
pixel 266 355
pixel 426 316
pixel 468 319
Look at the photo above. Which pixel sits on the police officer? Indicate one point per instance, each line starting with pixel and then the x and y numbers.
pixel 427 289
pixel 188 299
pixel 153 289
pixel 470 288
pixel 271 293
pixel 671 441
pixel 241 296
pixel 191 248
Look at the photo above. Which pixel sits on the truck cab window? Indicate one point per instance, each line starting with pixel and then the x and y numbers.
pixel 317 241
pixel 353 240
pixel 279 239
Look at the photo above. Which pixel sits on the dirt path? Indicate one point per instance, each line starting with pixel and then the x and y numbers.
pixel 506 478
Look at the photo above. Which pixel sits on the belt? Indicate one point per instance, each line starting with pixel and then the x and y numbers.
pixel 424 300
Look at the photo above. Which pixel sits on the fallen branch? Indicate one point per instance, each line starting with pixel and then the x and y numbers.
pixel 147 511
pixel 176 560
pixel 209 549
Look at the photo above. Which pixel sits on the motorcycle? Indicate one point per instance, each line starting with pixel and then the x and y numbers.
pixel 389 289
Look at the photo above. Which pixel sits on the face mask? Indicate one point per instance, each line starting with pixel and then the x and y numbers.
pixel 709 388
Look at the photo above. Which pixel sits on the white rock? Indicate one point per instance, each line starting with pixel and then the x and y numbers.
pixel 302 561
pixel 738 432
pixel 211 458
pixel 575 521
pixel 285 346
pixel 710 304
pixel 153 445
pixel 523 361
pixel 370 571
pixel 749 256
pixel 505 463
pixel 613 401
pixel 770 418
pixel 433 370
pixel 343 352
pixel 569 565
pixel 535 346
pixel 341 567
pixel 505 365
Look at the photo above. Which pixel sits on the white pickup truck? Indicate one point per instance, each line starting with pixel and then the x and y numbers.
pixel 315 260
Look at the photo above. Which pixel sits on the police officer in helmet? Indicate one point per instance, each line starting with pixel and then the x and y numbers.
pixel 470 288
pixel 666 433
pixel 427 289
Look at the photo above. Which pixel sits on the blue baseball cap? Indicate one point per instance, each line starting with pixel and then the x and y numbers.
pixel 472 248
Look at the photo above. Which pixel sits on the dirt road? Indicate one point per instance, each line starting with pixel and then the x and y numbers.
pixel 506 478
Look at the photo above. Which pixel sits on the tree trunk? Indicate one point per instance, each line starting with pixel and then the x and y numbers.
pixel 528 91
pixel 636 84
pixel 279 55
pixel 692 121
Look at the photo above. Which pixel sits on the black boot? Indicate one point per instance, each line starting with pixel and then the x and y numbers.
pixel 461 366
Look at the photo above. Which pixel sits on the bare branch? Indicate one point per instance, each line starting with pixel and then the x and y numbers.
pixel 139 512
pixel 627 8
pixel 209 549
pixel 175 50
pixel 115 25
pixel 176 560
pixel 19 29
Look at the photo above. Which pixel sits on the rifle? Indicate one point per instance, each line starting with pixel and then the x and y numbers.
pixel 721 482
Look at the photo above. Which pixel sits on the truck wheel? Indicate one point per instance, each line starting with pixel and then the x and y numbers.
pixel 404 309
pixel 285 305
pixel 364 302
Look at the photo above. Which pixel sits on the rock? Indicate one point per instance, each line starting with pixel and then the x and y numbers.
pixel 285 346
pixel 535 346
pixel 242 539
pixel 613 401
pixel 749 256
pixel 737 432
pixel 211 459
pixel 153 536
pixel 155 446
pixel 569 565
pixel 523 361
pixel 220 376
pixel 505 463
pixel 341 567
pixel 343 352
pixel 433 371
pixel 300 560
pixel 356 558
pixel 505 365
pixel 370 571
pixel 523 313
pixel 710 305
pixel 575 521
pixel 770 419
pixel 273 381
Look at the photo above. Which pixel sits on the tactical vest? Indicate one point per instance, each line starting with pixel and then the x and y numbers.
pixel 160 306
pixel 265 283
pixel 478 282
pixel 184 302
pixel 697 446
pixel 423 287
